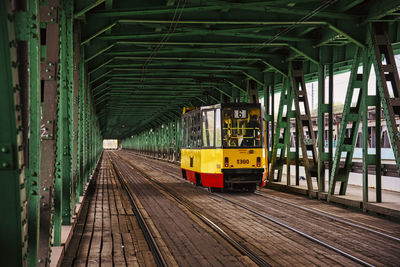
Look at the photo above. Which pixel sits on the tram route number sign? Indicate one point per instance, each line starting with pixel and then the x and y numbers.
pixel 240 114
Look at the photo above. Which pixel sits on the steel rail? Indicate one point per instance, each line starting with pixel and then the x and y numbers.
pixel 236 244
pixel 158 257
pixel 332 217
pixel 320 242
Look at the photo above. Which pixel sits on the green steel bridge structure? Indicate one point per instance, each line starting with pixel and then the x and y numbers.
pixel 77 72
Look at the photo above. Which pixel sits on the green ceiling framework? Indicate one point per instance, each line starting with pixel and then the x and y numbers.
pixel 148 59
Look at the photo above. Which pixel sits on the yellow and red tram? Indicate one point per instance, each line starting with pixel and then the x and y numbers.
pixel 222 146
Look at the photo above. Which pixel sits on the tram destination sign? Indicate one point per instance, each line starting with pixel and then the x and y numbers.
pixel 239 113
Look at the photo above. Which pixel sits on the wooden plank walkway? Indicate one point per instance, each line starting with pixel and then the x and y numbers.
pixel 107 232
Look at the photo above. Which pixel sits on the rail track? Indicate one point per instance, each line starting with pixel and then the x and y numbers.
pixel 153 245
pixel 195 211
pixel 311 211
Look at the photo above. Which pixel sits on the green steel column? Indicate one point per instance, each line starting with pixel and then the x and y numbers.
pixel 178 139
pixel 272 118
pixel 364 110
pixel 87 131
pixel 330 113
pixel 69 195
pixel 268 109
pixel 12 191
pixel 80 159
pixel 378 159
pixel 62 133
pixel 321 128
pixel 32 173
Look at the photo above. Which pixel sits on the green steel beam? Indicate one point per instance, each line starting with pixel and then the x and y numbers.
pixel 32 172
pixel 12 183
pixel 86 9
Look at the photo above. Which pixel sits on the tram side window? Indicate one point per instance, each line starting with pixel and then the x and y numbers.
pixel 197 130
pixel 190 134
pixel 184 132
pixel 218 138
pixel 194 130
pixel 208 128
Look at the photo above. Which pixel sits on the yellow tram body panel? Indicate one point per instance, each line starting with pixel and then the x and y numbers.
pixel 202 160
pixel 243 158
pixel 213 160
pixel 217 167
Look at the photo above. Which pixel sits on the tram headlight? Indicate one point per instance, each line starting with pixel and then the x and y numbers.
pixel 226 162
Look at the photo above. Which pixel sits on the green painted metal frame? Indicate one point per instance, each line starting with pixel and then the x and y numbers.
pixel 13 226
pixel 303 120
pixel 387 78
pixel 282 134
pixel 33 164
pixel 350 115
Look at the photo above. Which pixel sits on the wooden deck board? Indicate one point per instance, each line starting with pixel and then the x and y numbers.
pixel 107 232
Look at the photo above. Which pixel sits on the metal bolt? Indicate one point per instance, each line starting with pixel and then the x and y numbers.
pixel 52 20
pixel 41 196
pixel 4 150
pixel 50 64
pixel 50 77
pixel 49 14
pixel 47 70
pixel 44 204
pixel 45 189
pixel 40 260
pixel 4 165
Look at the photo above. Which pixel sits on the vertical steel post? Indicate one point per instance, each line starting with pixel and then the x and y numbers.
pixel 321 128
pixel 378 162
pixel 81 129
pixel 388 82
pixel 330 113
pixel 13 228
pixel 365 137
pixel 33 164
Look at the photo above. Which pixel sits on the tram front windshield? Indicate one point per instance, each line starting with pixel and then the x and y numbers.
pixel 241 127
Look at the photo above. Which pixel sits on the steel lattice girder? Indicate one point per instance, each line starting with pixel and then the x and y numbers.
pixel 213 42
